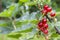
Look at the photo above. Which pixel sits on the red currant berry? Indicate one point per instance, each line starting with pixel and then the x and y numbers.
pixel 42 29
pixel 45 31
pixel 45 7
pixel 44 20
pixel 52 14
pixel 49 9
pixel 44 12
pixel 40 24
pixel 46 26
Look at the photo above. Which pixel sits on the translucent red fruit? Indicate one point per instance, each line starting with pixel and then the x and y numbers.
pixel 44 12
pixel 45 7
pixel 45 31
pixel 40 24
pixel 44 20
pixel 52 14
pixel 42 29
pixel 49 9
pixel 46 26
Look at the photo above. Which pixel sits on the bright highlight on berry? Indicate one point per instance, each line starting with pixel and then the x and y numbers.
pixel 52 14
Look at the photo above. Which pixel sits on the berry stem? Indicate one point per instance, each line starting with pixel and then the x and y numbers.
pixel 48 18
pixel 46 37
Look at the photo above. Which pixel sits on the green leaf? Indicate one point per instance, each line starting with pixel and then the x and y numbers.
pixel 19 23
pixel 5 37
pixel 30 3
pixel 8 12
pixel 15 35
pixel 5 30
pixel 57 13
pixel 24 0
pixel 28 35
pixel 24 28
pixel 3 23
pixel 54 35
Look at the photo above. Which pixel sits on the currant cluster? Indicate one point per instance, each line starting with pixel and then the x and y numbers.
pixel 43 26
pixel 47 9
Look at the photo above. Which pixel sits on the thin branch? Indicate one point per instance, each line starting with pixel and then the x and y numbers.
pixel 13 23
pixel 57 30
pixel 48 18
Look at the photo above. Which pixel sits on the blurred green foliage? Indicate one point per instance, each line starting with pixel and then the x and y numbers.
pixel 21 22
